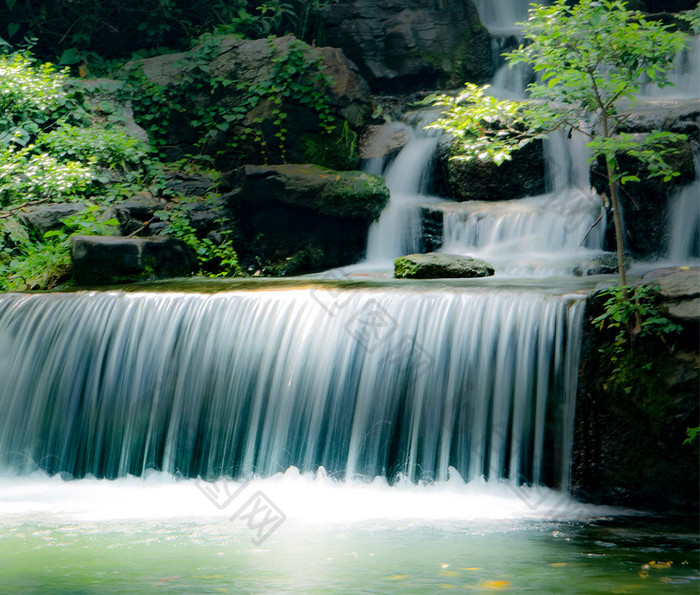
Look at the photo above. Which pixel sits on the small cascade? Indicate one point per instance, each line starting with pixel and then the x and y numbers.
pixel 369 383
pixel 500 17
pixel 684 79
pixel 535 236
pixel 684 222
pixel 398 230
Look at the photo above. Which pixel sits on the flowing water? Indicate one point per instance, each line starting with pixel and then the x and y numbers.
pixel 398 230
pixel 358 437
pixel 684 223
pixel 382 384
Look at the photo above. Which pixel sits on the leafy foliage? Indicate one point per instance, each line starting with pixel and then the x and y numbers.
pixel 31 263
pixel 295 79
pixel 217 259
pixel 693 18
pixel 619 312
pixel 29 96
pixel 85 32
pixel 632 364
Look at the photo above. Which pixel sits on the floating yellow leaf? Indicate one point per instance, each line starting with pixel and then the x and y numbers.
pixel 446 586
pixel 397 577
pixel 654 564
pixel 449 573
pixel 558 564
pixel 494 585
pixel 471 568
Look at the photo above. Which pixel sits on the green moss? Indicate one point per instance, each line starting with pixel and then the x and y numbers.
pixel 435 265
pixel 337 150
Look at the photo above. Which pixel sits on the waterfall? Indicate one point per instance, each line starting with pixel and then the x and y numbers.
pixel 390 383
pixel 538 236
pixel 398 230
pixel 684 78
pixel 684 221
pixel 500 18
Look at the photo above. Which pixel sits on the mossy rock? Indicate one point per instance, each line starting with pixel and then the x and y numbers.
pixel 347 194
pixel 436 265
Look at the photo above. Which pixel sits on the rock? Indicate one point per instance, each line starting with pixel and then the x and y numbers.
pixel 680 116
pixel 99 260
pixel 633 406
pixel 479 179
pixel 353 194
pixel 379 141
pixel 645 204
pixel 675 282
pixel 679 287
pixel 685 310
pixel 43 218
pixel 436 265
pixel 303 217
pixel 101 97
pixel 251 63
pixel 136 211
pixel 412 44
pixel 606 264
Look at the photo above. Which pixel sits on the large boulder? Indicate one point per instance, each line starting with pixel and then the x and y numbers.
pixel 478 179
pixel 350 194
pixel 307 216
pixel 436 265
pixel 412 44
pixel 248 99
pixel 101 260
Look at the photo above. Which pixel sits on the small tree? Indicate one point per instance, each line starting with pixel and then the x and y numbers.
pixel 590 59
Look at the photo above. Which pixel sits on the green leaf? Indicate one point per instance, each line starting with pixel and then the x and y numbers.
pixel 70 56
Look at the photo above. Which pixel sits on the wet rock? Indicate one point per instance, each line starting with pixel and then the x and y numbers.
pixel 606 264
pixel 680 116
pixel 634 405
pixel 479 179
pixel 645 204
pixel 412 44
pixel 379 141
pixel 98 260
pixel 436 265
pixel 680 289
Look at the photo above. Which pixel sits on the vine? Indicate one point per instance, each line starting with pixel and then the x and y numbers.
pixel 295 79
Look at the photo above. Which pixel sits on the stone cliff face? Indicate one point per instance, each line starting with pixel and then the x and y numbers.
pixel 412 44
pixel 629 438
